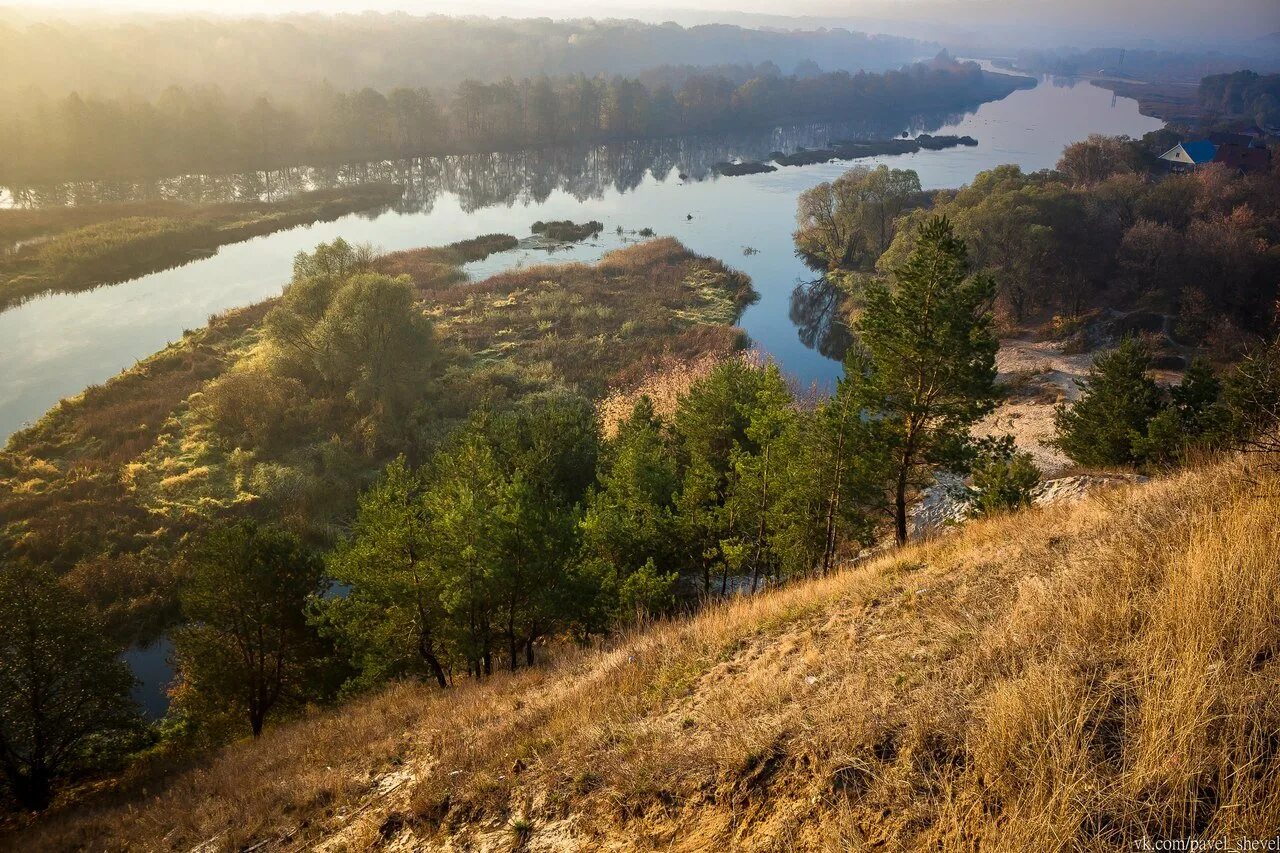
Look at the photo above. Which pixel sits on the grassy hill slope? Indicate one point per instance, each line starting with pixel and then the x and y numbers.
pixel 1072 677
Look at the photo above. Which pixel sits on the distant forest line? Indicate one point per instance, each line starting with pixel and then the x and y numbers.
pixel 285 56
pixel 203 129
pixel 1163 66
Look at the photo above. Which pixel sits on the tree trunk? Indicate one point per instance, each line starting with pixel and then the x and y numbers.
pixel 833 499
pixel 33 790
pixel 761 528
pixel 512 641
pixel 424 649
pixel 437 670
pixel 528 651
pixel 900 507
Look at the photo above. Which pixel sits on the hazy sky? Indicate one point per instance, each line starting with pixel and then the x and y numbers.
pixel 1052 21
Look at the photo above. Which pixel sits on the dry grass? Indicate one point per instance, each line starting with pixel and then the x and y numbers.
pixel 599 326
pixel 1077 677
pixel 669 381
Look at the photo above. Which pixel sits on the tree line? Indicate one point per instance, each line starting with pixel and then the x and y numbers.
pixel 1200 253
pixel 203 129
pixel 1247 94
pixel 111 55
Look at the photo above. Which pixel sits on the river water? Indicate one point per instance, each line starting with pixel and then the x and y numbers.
pixel 55 346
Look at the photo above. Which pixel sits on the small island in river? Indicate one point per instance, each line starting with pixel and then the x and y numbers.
pixel 845 150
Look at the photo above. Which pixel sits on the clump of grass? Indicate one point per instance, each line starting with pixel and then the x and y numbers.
pixel 566 230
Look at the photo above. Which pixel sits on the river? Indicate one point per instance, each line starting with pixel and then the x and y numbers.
pixel 55 346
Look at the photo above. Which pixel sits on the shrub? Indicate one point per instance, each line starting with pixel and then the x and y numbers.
pixel 1003 481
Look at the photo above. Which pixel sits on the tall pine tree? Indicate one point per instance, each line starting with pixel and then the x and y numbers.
pixel 926 360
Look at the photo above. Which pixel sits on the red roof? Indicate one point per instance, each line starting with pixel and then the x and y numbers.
pixel 1242 158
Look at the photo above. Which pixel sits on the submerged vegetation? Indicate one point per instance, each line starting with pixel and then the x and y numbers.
pixel 64 250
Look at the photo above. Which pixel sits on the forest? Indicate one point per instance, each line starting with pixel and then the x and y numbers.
pixel 203 129
pixel 109 55
pixel 1243 94
pixel 1194 258
pixel 1161 66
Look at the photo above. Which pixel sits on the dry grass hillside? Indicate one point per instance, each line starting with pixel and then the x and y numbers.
pixel 1069 678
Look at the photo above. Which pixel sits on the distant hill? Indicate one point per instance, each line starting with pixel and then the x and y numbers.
pixel 1096 673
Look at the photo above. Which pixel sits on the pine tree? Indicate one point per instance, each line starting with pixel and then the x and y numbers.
pixel 247 646
pixel 755 490
pixel 925 359
pixel 629 524
pixel 1108 423
pixel 710 423
pixel 837 468
pixel 391 619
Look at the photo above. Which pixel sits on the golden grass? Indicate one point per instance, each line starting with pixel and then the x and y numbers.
pixel 1076 677
pixel 670 380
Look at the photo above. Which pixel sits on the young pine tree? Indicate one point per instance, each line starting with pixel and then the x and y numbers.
pixel 1003 479
pixel 547 449
pixel 756 478
pixel 925 361
pixel 391 620
pixel 1195 419
pixel 837 465
pixel 1108 424
pixel 710 422
pixel 629 524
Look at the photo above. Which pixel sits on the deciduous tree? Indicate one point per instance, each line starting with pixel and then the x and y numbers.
pixel 64 692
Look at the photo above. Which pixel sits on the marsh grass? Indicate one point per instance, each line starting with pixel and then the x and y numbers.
pixel 598 326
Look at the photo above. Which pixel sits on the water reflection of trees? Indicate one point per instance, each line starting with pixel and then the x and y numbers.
pixel 817 312
pixel 483 180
